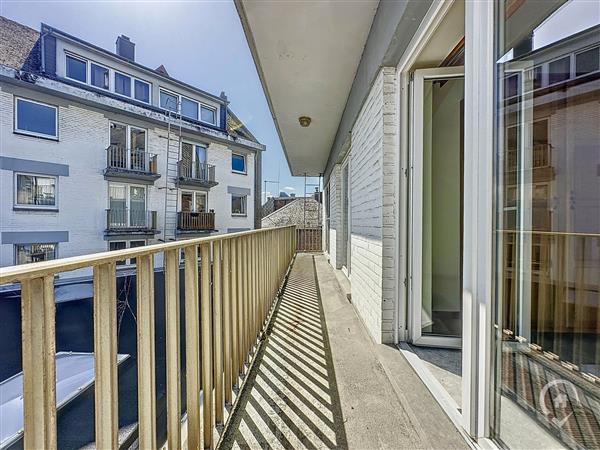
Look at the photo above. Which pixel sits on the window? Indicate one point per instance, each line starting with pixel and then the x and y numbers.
pixel 193 201
pixel 122 84
pixel 559 70
pixel 76 68
pixel 208 115
pixel 35 190
pixel 238 205
pixel 122 245
pixel 168 101
pixel 142 91
pixel 31 253
pixel 189 108
pixel 99 76
pixel 587 61
pixel 238 163
pixel 36 118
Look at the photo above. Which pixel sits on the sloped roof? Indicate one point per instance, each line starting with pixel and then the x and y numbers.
pixel 303 211
pixel 19 46
pixel 20 49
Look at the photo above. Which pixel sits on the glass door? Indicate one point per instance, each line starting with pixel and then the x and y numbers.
pixel 137 206
pixel 200 162
pixel 436 207
pixel 117 206
pixel 138 155
pixel 187 156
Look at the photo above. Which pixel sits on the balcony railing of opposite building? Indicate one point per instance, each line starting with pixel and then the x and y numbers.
pixel 130 219
pixel 229 294
pixel 195 221
pixel 126 159
pixel 196 173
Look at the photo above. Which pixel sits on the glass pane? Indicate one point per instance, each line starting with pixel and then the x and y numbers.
pixel 118 135
pixel 138 139
pixel 200 202
pixel 587 62
pixel 118 245
pixel 238 204
pixel 208 115
pixel 134 244
pixel 122 84
pixel 31 253
pixel 187 201
pixel 443 102
pixel 559 70
pixel 201 169
pixel 99 76
pixel 36 118
pixel 168 101
pixel 76 69
pixel 238 163
pixel 189 108
pixel 142 91
pixel 547 283
pixel 137 206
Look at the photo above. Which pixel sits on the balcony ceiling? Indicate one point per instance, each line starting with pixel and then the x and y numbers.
pixel 306 54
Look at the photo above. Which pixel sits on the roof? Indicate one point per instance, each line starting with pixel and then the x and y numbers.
pixel 20 49
pixel 19 46
pixel 302 211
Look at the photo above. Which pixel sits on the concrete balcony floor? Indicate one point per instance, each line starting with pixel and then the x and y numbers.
pixel 319 381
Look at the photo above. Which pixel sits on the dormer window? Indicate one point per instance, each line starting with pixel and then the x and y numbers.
pixel 122 84
pixel 76 69
pixel 189 108
pixel 99 76
pixel 208 115
pixel 168 101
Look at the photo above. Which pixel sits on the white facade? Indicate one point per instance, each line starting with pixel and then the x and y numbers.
pixel 77 160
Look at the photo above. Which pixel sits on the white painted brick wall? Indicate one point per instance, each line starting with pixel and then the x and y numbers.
pixel 83 195
pixel 373 208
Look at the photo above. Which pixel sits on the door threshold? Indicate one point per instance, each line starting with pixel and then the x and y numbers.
pixel 447 403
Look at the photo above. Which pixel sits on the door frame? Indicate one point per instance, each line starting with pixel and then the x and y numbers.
pixel 347 266
pixel 415 215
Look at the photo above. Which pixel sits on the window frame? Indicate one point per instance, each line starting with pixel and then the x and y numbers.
pixel 574 62
pixel 180 98
pixel 16 128
pixel 194 195
pixel 26 206
pixel 114 77
pixel 244 205
pixel 87 68
pixel 126 263
pixel 243 156
pixel 133 81
pixel 212 108
pixel 16 252
pixel 93 63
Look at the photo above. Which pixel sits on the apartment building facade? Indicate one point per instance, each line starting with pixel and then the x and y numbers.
pixel 99 152
pixel 459 143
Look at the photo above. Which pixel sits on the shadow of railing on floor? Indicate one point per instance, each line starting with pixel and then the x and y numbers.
pixel 291 398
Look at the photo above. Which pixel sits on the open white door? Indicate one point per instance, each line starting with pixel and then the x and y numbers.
pixel 436 196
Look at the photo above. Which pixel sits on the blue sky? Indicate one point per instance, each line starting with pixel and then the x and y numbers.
pixel 199 42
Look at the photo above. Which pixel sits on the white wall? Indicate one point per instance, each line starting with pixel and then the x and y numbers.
pixel 373 208
pixel 83 195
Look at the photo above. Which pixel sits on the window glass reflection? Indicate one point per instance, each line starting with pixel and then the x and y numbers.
pixel 548 225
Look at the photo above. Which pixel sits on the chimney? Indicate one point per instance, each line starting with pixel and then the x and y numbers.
pixel 125 48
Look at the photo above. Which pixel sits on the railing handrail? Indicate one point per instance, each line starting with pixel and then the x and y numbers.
pixel 128 149
pixel 550 233
pixel 13 274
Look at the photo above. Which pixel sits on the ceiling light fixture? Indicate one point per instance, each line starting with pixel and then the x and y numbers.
pixel 304 121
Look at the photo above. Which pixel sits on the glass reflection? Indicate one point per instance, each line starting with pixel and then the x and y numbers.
pixel 548 225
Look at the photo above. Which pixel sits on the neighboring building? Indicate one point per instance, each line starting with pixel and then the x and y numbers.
pixel 459 143
pixel 99 152
pixel 274 203
pixel 304 212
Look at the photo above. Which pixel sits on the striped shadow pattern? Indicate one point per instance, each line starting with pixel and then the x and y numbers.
pixel 290 399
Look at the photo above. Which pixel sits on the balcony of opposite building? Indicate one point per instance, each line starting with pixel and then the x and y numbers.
pixel 134 165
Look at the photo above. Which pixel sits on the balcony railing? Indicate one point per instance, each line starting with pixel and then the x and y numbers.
pixel 229 293
pixel 195 221
pixel 130 219
pixel 132 163
pixel 199 174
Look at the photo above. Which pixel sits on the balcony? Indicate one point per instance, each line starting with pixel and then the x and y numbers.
pixel 130 221
pixel 131 164
pixel 189 222
pixel 195 175
pixel 274 355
